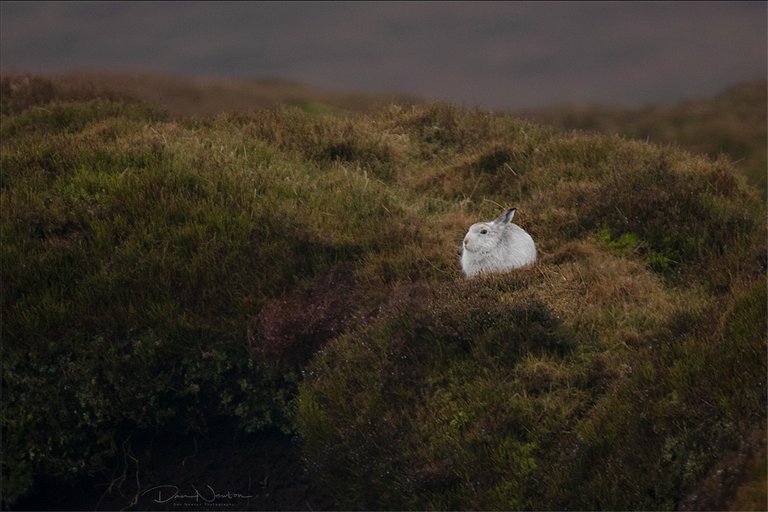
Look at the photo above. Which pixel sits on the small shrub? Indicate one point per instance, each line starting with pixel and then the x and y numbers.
pixel 290 329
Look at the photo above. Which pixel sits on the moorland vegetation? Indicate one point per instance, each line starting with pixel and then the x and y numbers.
pixel 297 269
pixel 732 123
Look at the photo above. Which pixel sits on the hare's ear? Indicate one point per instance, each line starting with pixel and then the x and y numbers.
pixel 506 217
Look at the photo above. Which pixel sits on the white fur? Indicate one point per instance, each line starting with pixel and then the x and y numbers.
pixel 496 246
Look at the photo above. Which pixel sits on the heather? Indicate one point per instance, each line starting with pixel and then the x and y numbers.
pixel 296 270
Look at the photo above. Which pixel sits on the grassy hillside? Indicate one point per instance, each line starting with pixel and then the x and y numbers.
pixel 732 123
pixel 298 271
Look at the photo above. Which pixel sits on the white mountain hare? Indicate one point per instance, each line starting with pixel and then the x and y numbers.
pixel 496 246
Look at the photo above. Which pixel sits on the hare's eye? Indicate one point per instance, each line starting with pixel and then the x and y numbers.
pixel 483 231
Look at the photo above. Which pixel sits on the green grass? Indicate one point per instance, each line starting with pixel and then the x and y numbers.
pixel 297 268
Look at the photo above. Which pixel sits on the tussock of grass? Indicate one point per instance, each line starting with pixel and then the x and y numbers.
pixel 299 270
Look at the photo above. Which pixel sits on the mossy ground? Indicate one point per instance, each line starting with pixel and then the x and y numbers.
pixel 297 270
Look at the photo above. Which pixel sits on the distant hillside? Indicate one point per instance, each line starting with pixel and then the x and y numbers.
pixel 493 54
pixel 732 123
pixel 270 302
pixel 195 97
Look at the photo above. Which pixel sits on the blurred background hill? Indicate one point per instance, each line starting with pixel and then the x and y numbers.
pixel 495 55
